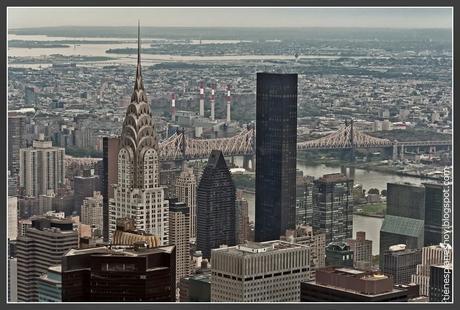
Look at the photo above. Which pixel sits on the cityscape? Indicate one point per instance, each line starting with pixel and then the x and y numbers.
pixel 156 162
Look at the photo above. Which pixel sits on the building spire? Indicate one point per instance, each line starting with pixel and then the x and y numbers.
pixel 138 92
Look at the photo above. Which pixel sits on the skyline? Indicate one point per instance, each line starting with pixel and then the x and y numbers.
pixel 265 17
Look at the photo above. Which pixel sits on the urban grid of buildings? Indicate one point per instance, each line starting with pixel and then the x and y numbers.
pixel 126 225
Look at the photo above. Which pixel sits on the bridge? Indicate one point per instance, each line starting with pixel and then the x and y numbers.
pixel 180 147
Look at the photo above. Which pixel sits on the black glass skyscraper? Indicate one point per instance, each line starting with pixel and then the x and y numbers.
pixel 276 140
pixel 215 206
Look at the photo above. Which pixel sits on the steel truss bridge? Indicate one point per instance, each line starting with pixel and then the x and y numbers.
pixel 180 147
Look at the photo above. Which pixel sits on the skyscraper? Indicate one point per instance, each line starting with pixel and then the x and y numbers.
pixel 12 218
pixel 41 168
pixel 16 140
pixel 131 274
pixel 404 219
pixel 84 186
pixel 91 211
pixel 401 263
pixel 276 151
pixel 109 177
pixel 179 236
pixel 215 206
pixel 333 207
pixel 41 247
pixel 138 193
pixel 441 279
pixel 242 218
pixel 434 213
pixel 268 271
pixel 186 192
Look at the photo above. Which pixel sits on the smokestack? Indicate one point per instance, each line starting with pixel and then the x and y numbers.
pixel 229 98
pixel 201 98
pixel 213 100
pixel 173 107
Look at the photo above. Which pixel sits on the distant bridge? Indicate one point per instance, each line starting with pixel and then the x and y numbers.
pixel 179 146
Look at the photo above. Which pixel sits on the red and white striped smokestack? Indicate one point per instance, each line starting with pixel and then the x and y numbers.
pixel 173 107
pixel 229 99
pixel 213 100
pixel 202 98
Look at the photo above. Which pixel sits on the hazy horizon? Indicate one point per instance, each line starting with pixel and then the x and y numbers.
pixel 250 17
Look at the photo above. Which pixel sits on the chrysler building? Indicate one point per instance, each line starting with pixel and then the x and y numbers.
pixel 138 194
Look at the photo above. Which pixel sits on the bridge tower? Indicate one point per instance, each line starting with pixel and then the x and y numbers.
pixel 352 142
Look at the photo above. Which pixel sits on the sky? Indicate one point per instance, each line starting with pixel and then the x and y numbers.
pixel 230 17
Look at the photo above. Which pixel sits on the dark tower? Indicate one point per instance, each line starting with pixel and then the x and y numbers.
pixel 276 140
pixel 215 206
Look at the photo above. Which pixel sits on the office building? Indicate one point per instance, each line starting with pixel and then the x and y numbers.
pixel 84 186
pixel 404 218
pixel 41 247
pixel 339 254
pixel 276 151
pixel 434 194
pixel 333 207
pixel 45 202
pixel 124 274
pixel 41 168
pixel 12 218
pixel 91 211
pixel 109 177
pixel 269 271
pixel 16 140
pixel 362 250
pixel 169 172
pixel 441 278
pixel 215 206
pixel 242 218
pixel 49 285
pixel 179 235
pixel 304 200
pixel 401 263
pixel 305 235
pixel 351 285
pixel 138 193
pixel 433 255
pixel 186 192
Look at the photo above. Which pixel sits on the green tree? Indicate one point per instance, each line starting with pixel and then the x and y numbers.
pixel 373 191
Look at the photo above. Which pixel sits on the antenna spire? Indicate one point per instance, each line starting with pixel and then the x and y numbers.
pixel 138 42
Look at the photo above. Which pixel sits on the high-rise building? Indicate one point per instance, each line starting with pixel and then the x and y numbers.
pixel 401 263
pixel 433 255
pixel 339 254
pixel 276 152
pixel 30 96
pixel 127 234
pixel 84 186
pixel 138 193
pixel 441 279
pixel 333 207
pixel 215 206
pixel 41 247
pixel 12 218
pixel 169 173
pixel 119 274
pixel 242 218
pixel 41 168
pixel 316 241
pixel 49 285
pixel 186 192
pixel 404 218
pixel 434 203
pixel 362 250
pixel 196 288
pixel 351 285
pixel 109 177
pixel 45 202
pixel 304 200
pixel 16 140
pixel 179 236
pixel 269 271
pixel 91 211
